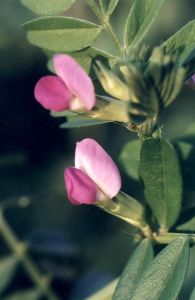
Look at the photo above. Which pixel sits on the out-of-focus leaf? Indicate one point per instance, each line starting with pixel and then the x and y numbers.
pixel 192 296
pixel 61 34
pixel 48 7
pixel 139 260
pixel 7 269
pixel 160 171
pixel 187 226
pixel 75 122
pixel 182 42
pixel 164 276
pixel 139 20
pixel 108 6
pixel 191 130
pixel 165 76
pixel 31 294
pixel 89 283
pixel 65 113
pixel 105 293
pixel 184 149
pixel 129 157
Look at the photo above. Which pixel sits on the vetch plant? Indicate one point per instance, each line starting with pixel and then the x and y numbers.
pixel 137 84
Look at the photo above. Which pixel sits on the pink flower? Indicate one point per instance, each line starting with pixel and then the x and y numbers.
pixel 95 176
pixel 191 82
pixel 71 89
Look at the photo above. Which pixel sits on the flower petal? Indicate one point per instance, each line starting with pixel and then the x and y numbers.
pixel 91 158
pixel 191 82
pixel 52 93
pixel 80 188
pixel 76 79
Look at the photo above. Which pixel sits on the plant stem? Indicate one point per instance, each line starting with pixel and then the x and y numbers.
pixel 20 249
pixel 104 19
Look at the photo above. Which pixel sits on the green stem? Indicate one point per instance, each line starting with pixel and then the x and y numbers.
pixel 104 19
pixel 20 249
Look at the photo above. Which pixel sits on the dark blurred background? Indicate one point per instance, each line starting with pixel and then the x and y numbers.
pixel 76 244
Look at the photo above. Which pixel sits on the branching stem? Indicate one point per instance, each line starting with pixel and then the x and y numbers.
pixel 20 250
pixel 104 19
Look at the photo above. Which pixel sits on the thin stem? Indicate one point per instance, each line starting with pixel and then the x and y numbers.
pixel 104 19
pixel 20 249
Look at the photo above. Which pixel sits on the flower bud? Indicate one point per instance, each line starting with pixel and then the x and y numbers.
pixel 95 176
pixel 112 84
pixel 134 78
pixel 110 109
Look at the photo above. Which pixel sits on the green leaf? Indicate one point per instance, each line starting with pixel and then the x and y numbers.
pixel 48 7
pixel 182 42
pixel 164 276
pixel 192 296
pixel 112 6
pixel 31 294
pixel 165 76
pixel 187 226
pixel 105 293
pixel 75 122
pixel 108 6
pixel 7 269
pixel 129 157
pixel 184 149
pixel 139 260
pixel 139 20
pixel 160 171
pixel 103 5
pixel 61 34
pixel 65 113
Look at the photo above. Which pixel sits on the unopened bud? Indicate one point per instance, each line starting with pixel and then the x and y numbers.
pixel 112 84
pixel 134 78
pixel 110 110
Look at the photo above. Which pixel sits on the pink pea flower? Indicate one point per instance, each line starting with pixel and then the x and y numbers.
pixel 191 82
pixel 95 176
pixel 71 89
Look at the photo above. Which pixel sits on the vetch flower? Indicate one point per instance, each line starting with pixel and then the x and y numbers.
pixel 191 82
pixel 95 176
pixel 71 89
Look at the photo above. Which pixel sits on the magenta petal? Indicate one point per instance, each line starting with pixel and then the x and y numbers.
pixel 76 79
pixel 80 188
pixel 99 166
pixel 52 94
